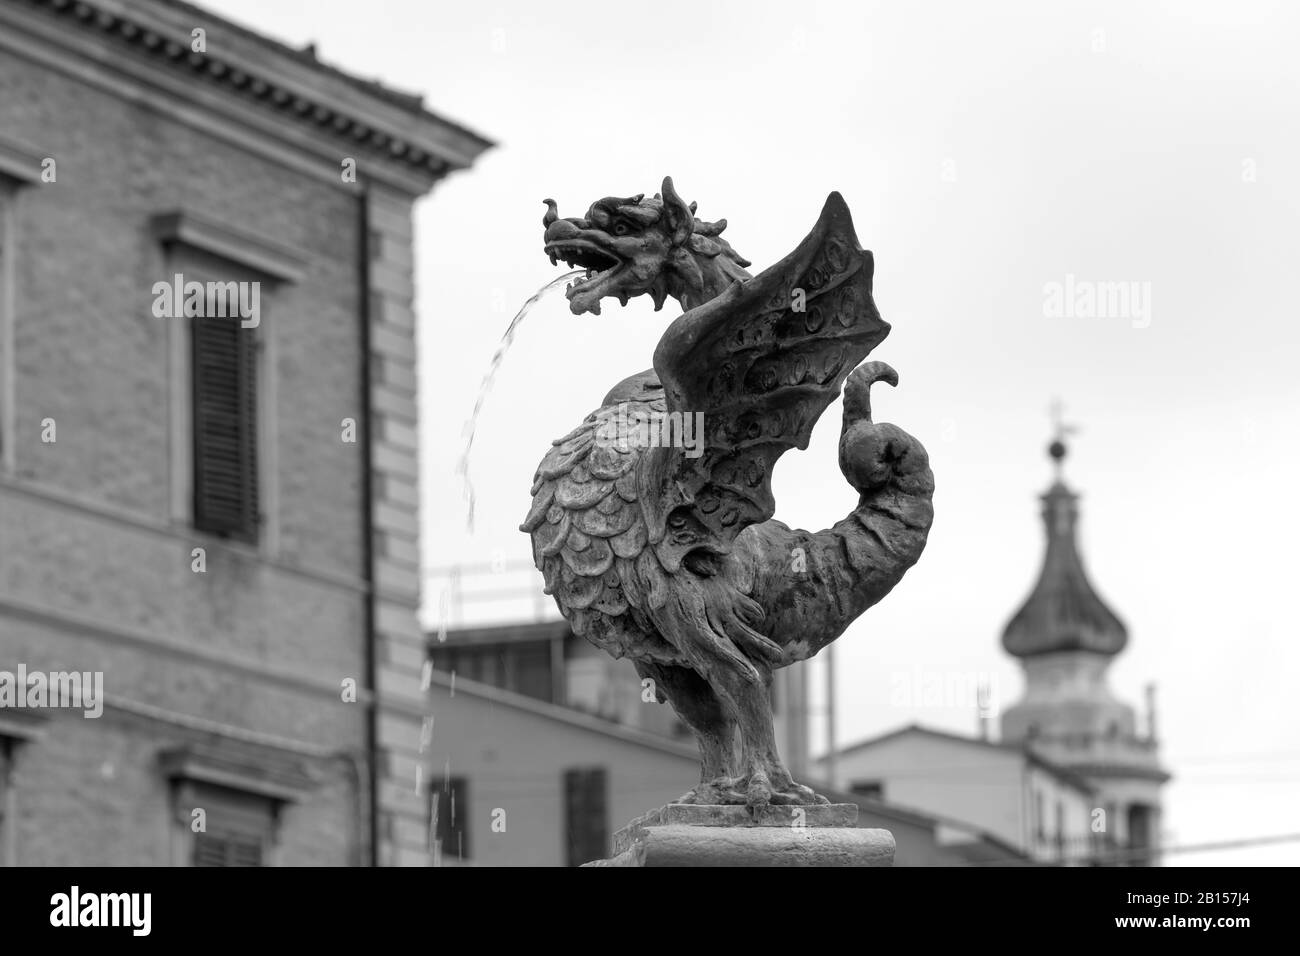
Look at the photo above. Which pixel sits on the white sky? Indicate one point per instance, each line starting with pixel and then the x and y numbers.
pixel 1123 163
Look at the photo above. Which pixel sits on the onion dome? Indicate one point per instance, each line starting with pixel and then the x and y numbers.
pixel 1063 612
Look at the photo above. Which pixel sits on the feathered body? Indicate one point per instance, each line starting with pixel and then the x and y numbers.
pixel 592 544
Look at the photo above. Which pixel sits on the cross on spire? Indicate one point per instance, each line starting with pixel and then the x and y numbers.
pixel 1060 430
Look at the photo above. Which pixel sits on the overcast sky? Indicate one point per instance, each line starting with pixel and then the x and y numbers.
pixel 986 151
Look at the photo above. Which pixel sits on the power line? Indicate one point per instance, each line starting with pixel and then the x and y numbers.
pixel 1143 853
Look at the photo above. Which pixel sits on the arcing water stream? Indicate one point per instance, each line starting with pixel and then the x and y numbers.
pixel 485 387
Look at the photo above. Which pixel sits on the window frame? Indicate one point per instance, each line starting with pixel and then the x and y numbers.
pixel 20 166
pixel 232 254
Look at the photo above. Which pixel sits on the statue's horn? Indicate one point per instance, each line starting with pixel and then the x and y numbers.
pixel 552 212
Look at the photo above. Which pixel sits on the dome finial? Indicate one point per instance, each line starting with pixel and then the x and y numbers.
pixel 1057 449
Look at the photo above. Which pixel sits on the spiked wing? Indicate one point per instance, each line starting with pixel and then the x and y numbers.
pixel 761 362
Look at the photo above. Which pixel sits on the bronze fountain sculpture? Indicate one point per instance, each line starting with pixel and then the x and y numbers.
pixel 670 555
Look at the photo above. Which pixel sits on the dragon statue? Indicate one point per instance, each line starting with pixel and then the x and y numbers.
pixel 670 555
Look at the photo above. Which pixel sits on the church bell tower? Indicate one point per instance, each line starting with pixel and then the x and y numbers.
pixel 1066 638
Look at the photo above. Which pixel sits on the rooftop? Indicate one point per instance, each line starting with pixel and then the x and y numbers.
pixel 1061 773
pixel 289 89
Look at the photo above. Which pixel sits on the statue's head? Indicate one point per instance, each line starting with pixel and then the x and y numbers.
pixel 634 246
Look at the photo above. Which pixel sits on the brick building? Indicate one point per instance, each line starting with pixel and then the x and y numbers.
pixel 217 514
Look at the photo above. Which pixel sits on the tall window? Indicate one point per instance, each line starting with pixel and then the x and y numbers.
pixel 1141 821
pixel 586 797
pixel 449 817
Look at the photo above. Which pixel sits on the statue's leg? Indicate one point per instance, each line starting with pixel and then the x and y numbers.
pixel 766 779
pixel 700 709
pixel 752 706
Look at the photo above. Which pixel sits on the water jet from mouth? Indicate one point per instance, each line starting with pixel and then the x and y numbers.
pixel 485 387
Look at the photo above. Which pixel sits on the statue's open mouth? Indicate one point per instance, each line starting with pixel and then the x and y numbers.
pixel 584 294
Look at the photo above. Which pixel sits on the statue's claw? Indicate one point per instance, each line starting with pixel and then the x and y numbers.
pixel 757 790
pixel 759 793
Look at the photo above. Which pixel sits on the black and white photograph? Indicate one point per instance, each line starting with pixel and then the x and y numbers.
pixel 481 437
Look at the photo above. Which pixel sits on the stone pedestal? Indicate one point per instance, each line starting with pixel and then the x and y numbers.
pixel 687 835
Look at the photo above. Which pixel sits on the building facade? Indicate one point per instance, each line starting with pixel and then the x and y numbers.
pixel 208 470
pixel 1039 810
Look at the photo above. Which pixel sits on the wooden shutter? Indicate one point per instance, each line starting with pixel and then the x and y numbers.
pixel 213 849
pixel 585 811
pixel 225 428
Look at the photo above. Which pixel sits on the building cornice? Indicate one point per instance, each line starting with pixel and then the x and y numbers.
pixel 293 96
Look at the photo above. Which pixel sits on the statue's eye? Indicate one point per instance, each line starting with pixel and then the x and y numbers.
pixel 621 229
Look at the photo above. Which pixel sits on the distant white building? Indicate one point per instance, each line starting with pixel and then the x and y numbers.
pixel 1037 807
pixel 1074 779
